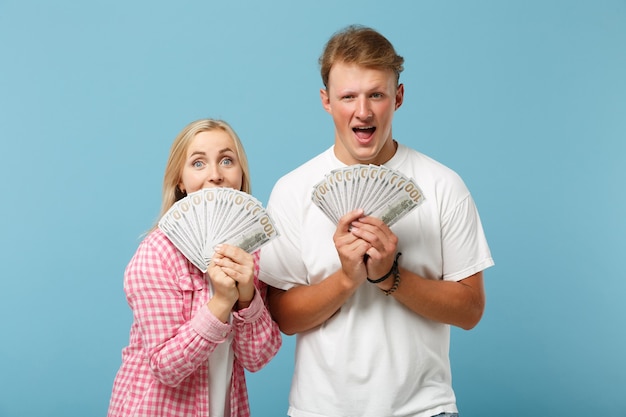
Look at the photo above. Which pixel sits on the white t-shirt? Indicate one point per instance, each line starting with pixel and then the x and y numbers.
pixel 374 357
pixel 220 374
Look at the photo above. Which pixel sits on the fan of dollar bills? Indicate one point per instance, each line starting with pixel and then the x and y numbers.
pixel 380 191
pixel 205 218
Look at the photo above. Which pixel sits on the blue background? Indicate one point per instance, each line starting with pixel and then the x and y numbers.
pixel 525 99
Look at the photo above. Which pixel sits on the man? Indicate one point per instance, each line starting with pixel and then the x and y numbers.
pixel 362 348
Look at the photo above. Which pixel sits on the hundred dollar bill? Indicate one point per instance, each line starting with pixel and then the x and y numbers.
pixel 201 220
pixel 378 190
pixel 325 199
pixel 184 238
pixel 405 197
pixel 255 235
pixel 250 213
pixel 394 209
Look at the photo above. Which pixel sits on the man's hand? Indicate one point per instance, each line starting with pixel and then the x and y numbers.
pixel 351 248
pixel 382 244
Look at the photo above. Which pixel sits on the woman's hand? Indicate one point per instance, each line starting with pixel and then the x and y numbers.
pixel 225 292
pixel 238 265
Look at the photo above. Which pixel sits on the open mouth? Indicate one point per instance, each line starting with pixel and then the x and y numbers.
pixel 364 132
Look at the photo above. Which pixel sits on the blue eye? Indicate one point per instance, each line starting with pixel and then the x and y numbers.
pixel 197 164
pixel 227 161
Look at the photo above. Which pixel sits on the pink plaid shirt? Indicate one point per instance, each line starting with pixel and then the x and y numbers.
pixel 164 368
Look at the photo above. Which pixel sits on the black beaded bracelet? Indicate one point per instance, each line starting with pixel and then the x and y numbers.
pixel 393 271
pixel 396 283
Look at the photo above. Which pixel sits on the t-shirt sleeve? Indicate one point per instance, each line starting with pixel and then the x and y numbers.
pixel 281 264
pixel 465 248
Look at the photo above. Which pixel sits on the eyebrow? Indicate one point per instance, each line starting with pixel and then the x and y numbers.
pixel 225 150
pixel 221 151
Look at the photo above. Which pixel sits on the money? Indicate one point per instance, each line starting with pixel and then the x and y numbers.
pixel 198 222
pixel 380 191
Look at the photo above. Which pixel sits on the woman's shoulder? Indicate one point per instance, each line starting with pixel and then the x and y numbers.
pixel 156 242
pixel 157 257
pixel 157 248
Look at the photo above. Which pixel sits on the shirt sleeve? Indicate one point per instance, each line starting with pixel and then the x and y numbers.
pixel 281 259
pixel 173 345
pixel 257 336
pixel 465 247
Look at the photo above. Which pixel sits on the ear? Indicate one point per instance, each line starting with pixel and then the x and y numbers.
pixel 325 99
pixel 399 96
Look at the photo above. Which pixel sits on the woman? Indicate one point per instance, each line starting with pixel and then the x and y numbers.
pixel 193 333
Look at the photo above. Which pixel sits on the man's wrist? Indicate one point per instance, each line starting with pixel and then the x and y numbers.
pixel 392 272
pixel 395 285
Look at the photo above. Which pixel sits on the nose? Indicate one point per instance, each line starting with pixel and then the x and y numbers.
pixel 363 109
pixel 215 175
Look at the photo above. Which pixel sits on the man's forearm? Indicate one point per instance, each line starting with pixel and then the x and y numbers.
pixel 305 307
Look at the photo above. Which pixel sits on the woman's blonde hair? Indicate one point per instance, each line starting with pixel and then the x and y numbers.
pixel 178 155
pixel 363 46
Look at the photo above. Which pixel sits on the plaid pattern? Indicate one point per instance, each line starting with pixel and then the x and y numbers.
pixel 164 368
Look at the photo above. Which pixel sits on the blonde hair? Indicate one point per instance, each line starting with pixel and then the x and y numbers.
pixel 178 155
pixel 363 46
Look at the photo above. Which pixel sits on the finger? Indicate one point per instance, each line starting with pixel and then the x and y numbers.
pixel 241 274
pixel 234 269
pixel 344 239
pixel 346 220
pixel 342 236
pixel 377 239
pixel 374 221
pixel 235 253
pixel 354 251
pixel 238 273
pixel 373 225
pixel 222 283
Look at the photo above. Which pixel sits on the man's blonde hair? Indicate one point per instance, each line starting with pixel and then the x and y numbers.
pixel 363 46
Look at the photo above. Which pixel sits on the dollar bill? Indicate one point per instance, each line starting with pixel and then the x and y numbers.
pixel 378 190
pixel 201 220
